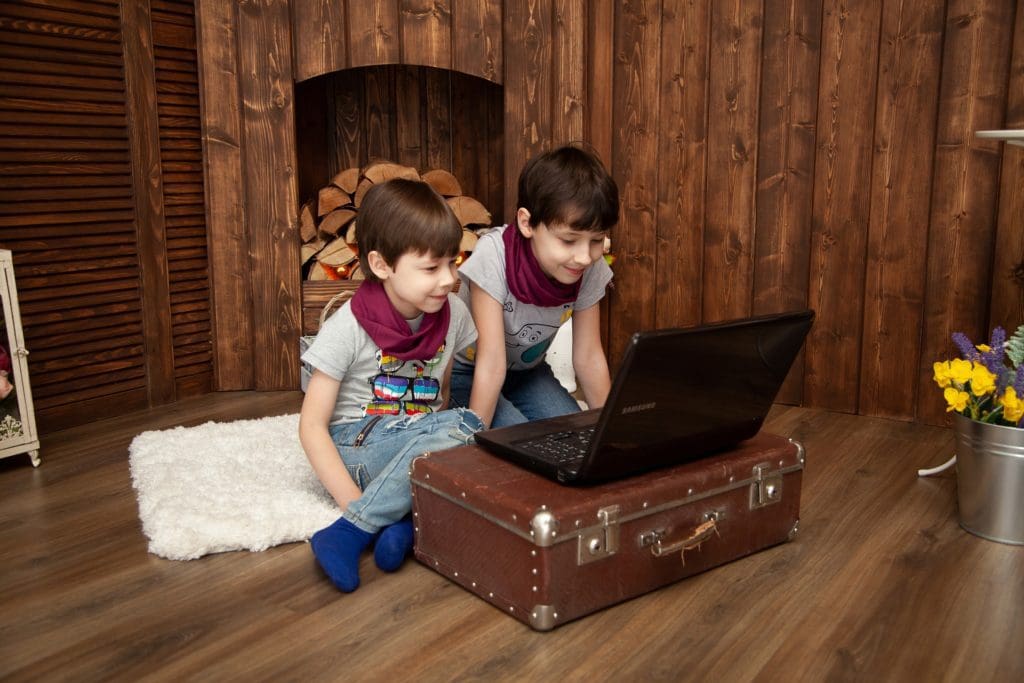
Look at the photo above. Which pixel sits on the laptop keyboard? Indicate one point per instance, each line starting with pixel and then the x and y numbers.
pixel 565 449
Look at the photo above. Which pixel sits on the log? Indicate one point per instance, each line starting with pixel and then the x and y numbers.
pixel 469 211
pixel 444 182
pixel 347 180
pixel 330 198
pixel 333 222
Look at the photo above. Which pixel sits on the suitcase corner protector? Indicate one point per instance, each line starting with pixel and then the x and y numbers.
pixel 543 617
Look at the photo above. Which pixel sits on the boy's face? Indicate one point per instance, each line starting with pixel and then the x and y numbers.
pixel 417 283
pixel 563 252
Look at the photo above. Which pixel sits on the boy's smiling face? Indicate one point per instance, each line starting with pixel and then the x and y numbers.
pixel 563 252
pixel 417 283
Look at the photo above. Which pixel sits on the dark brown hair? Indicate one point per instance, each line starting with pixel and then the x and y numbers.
pixel 401 216
pixel 569 185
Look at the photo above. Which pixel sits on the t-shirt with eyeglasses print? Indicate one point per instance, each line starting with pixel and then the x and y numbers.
pixel 376 383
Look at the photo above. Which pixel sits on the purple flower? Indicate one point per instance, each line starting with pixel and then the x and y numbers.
pixel 966 346
pixel 1018 382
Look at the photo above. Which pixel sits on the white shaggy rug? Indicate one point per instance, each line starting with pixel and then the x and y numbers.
pixel 243 485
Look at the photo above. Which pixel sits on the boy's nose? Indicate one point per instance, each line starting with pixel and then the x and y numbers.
pixel 582 255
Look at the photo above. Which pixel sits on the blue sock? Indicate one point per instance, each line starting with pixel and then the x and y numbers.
pixel 337 549
pixel 394 545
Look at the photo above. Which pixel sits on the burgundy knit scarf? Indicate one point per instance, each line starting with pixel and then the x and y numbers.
pixel 527 282
pixel 391 332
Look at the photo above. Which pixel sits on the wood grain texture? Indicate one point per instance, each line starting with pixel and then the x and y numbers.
pixel 374 33
pixel 476 39
pixel 733 86
pixel 426 31
pixel 972 96
pixel 682 154
pixel 319 37
pixel 842 169
pixel 636 125
pixel 785 164
pixel 226 201
pixel 268 120
pixel 527 25
pixel 908 86
pixel 568 55
pixel 1007 307
pixel 875 559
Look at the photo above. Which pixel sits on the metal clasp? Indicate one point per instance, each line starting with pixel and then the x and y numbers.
pixel 766 489
pixel 597 543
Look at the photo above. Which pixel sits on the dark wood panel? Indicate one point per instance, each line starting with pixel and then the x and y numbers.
pixel 409 118
pixel 908 86
pixel 527 85
pixel 785 166
pixel 568 71
pixel 225 198
pixel 842 171
pixel 345 109
pixel 319 37
pixel 477 43
pixel 426 32
pixel 682 162
pixel 1007 309
pixel 437 89
pixel 962 227
pixel 268 122
pixel 636 125
pixel 733 93
pixel 149 208
pixel 374 33
pixel 379 116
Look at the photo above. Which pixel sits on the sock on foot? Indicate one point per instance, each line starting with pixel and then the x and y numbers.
pixel 393 545
pixel 337 549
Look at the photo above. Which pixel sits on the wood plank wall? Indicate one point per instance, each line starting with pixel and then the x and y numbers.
pixel 817 153
pixel 101 201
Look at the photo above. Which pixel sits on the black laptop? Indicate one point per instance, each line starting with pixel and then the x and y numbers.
pixel 679 395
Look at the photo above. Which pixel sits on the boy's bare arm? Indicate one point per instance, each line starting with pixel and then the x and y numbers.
pixel 489 374
pixel 314 419
pixel 588 359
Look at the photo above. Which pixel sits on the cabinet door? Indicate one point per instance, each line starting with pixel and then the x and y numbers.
pixel 17 420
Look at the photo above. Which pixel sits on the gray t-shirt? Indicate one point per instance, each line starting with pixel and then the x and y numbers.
pixel 529 329
pixel 372 382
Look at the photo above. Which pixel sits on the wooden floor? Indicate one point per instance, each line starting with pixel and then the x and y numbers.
pixel 880 584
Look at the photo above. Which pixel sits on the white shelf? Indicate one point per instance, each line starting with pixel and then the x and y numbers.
pixel 1012 137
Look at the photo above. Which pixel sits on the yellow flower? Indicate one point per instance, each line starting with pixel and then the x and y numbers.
pixel 960 371
pixel 956 399
pixel 982 381
pixel 1013 406
pixel 941 373
pixel 984 348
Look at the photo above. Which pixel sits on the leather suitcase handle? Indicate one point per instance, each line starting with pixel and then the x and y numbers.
pixel 698 535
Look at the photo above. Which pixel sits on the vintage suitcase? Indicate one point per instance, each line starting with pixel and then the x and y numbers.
pixel 547 554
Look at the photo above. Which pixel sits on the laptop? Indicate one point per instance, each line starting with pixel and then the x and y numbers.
pixel 679 395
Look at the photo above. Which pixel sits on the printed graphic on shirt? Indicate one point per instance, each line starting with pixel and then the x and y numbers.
pixel 403 387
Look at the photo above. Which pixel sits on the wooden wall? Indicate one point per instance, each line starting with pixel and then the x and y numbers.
pixel 101 201
pixel 771 155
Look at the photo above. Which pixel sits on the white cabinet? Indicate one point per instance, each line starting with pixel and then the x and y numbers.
pixel 17 419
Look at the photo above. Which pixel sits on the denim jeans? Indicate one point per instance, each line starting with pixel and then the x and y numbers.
pixel 526 395
pixel 378 452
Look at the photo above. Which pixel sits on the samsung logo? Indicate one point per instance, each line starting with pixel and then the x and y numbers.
pixel 639 408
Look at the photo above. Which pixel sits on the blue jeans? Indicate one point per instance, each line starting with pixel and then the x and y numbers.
pixel 526 395
pixel 378 452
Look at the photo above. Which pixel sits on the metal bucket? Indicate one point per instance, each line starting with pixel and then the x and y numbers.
pixel 990 479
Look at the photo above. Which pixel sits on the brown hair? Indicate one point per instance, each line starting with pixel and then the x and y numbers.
pixel 569 185
pixel 401 216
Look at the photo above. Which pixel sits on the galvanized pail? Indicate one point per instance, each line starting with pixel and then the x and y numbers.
pixel 990 479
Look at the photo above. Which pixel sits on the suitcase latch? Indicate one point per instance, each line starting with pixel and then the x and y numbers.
pixel 766 489
pixel 598 542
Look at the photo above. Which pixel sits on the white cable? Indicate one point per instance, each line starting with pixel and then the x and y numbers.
pixel 935 470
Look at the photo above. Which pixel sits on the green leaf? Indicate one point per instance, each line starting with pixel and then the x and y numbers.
pixel 1015 347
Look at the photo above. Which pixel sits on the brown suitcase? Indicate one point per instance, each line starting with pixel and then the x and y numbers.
pixel 547 554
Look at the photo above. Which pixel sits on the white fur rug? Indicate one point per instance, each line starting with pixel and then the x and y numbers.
pixel 243 485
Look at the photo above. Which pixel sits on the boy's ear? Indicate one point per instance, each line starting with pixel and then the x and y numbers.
pixel 378 265
pixel 523 222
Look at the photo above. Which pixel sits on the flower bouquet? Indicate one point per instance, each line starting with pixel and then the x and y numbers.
pixel 987 383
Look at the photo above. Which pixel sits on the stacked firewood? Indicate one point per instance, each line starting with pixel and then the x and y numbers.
pixel 328 224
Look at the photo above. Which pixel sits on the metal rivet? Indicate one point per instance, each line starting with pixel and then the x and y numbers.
pixel 732 478
pixel 490 595
pixel 511 608
pixel 645 505
pixel 463 494
pixel 456 574
pixel 579 523
pixel 689 492
pixel 543 507
pixel 534 589
pixel 514 517
pixel 473 584
pixel 555 615
pixel 533 553
pixel 427 477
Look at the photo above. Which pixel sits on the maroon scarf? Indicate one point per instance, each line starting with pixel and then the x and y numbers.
pixel 527 282
pixel 391 332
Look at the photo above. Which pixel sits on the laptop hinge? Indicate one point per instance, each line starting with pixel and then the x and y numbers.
pixel 599 542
